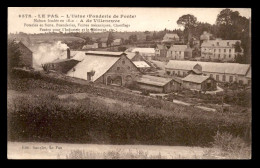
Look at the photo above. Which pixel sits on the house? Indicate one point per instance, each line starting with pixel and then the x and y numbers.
pixel 158 84
pixel 134 56
pixel 90 46
pixel 26 57
pixel 117 42
pixel 221 72
pixel 161 50
pixel 103 42
pixel 170 37
pixel 205 37
pixel 219 49
pixel 110 68
pixel 62 65
pixel 142 66
pixel 199 82
pixel 176 52
pixel 147 53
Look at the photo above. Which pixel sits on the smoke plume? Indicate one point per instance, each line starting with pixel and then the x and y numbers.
pixel 48 52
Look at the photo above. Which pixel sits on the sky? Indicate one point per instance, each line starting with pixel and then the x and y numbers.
pixel 150 19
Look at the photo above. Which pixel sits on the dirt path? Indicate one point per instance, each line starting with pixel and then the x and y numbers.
pixel 33 150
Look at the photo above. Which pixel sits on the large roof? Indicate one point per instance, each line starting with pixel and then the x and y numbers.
pixel 105 53
pixel 229 68
pixel 144 50
pixel 222 43
pixel 99 64
pixel 171 35
pixel 178 47
pixel 153 80
pixel 195 78
pixel 141 64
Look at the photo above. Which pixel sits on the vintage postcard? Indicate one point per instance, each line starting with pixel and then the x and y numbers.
pixel 129 83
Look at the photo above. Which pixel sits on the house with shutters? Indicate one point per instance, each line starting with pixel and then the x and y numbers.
pixel 220 49
pixel 176 52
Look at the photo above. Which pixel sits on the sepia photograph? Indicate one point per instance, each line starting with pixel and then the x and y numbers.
pixel 129 83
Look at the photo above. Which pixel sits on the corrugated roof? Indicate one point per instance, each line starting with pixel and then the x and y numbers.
pixel 99 64
pixel 144 50
pixel 195 78
pixel 109 53
pixel 229 68
pixel 178 47
pixel 141 64
pixel 222 43
pixel 153 80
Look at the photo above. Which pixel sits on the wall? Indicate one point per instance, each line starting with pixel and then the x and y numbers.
pixel 126 71
pixel 175 54
pixel 235 77
pixel 230 55
pixel 150 88
pixel 26 55
pixel 190 85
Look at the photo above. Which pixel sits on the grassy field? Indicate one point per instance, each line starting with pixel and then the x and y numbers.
pixel 48 110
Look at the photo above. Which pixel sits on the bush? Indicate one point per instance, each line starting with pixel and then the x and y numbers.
pixel 231 146
pixel 46 118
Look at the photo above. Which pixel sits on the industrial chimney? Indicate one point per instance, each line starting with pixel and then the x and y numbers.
pixel 68 53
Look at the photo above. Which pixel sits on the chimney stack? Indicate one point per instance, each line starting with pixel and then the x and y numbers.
pixel 68 53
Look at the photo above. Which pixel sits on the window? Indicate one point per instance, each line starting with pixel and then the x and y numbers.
pixel 240 82
pixel 217 43
pixel 180 52
pixel 217 77
pixel 231 79
pixel 214 50
pixel 179 73
pixel 224 50
pixel 224 56
pixel 173 72
pixel 219 50
pixel 228 43
pixel 229 55
pixel 211 75
pixel 168 72
pixel 118 68
pixel 229 50
pixel 123 62
pixel 218 55
pixel 224 78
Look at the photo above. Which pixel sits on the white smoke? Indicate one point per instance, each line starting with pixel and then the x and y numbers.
pixel 48 52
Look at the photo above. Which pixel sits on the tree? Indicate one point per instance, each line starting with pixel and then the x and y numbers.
pixel 110 39
pixel 148 38
pixel 133 38
pixel 233 26
pixel 189 22
pixel 13 55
